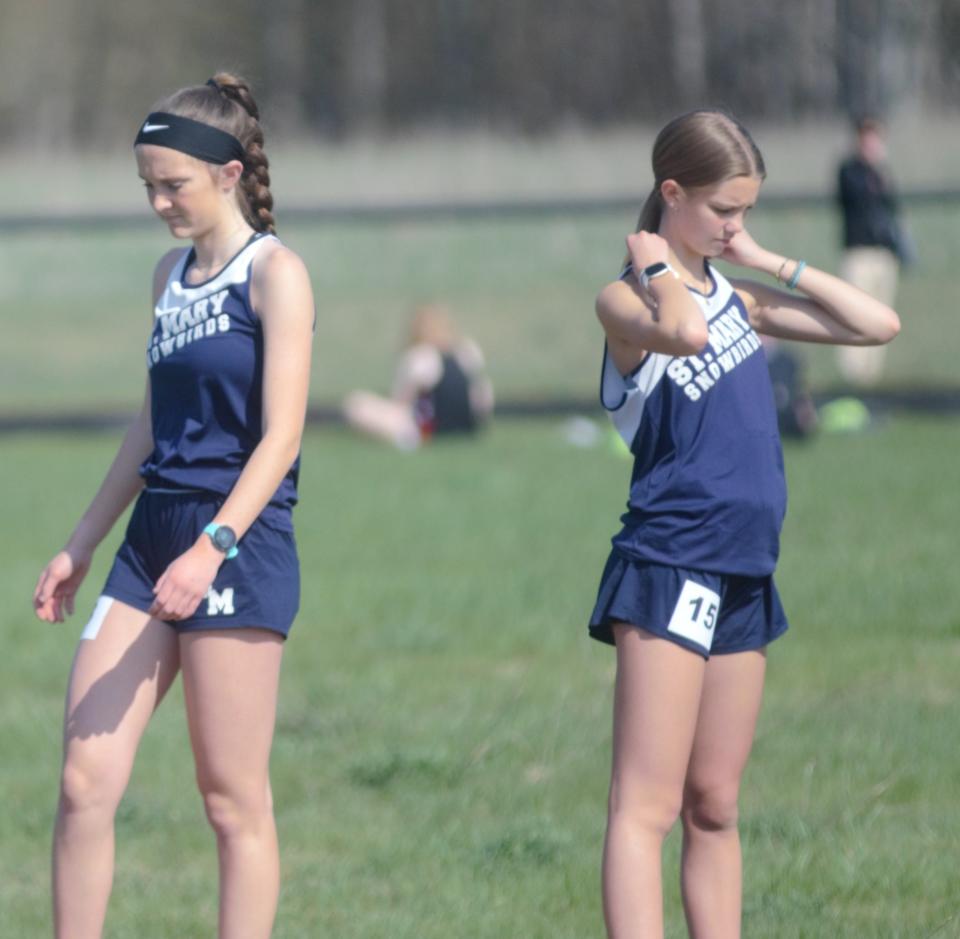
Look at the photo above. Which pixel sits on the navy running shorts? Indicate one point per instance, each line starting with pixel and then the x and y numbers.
pixel 710 614
pixel 259 588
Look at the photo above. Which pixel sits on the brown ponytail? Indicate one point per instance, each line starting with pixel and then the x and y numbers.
pixel 225 102
pixel 652 211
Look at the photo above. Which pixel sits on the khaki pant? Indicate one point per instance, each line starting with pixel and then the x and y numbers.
pixel 874 271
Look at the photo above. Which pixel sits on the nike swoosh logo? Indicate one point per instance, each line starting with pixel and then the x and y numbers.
pixel 149 128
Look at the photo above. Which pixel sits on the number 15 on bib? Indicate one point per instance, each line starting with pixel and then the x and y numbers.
pixel 695 614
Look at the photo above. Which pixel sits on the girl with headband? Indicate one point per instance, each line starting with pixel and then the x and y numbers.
pixel 687 596
pixel 206 582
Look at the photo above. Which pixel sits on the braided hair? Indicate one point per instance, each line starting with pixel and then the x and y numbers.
pixel 226 102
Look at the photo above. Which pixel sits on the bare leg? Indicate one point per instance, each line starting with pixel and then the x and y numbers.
pixel 117 681
pixel 656 702
pixel 230 680
pixel 711 869
pixel 383 418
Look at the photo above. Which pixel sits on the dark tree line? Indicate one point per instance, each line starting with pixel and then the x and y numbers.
pixel 85 70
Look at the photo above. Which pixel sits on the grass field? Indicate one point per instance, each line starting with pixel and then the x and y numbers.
pixel 74 307
pixel 443 740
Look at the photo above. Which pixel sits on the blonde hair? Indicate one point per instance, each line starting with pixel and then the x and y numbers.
pixel 432 325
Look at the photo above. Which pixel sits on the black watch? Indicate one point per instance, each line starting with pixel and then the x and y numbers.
pixel 655 270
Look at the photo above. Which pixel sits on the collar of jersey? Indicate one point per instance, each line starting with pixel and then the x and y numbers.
pixel 191 257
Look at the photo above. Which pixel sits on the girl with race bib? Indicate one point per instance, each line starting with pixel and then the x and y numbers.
pixel 687 595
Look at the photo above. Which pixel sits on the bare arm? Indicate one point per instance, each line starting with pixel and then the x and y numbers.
pixel 664 319
pixel 120 486
pixel 59 581
pixel 829 311
pixel 282 298
pixel 123 482
pixel 57 586
pixel 418 371
pixel 472 361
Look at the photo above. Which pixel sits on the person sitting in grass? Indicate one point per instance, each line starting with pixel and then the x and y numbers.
pixel 440 388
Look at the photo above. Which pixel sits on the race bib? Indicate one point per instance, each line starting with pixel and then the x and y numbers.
pixel 695 614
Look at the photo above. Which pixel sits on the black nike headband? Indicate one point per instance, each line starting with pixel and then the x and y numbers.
pixel 199 140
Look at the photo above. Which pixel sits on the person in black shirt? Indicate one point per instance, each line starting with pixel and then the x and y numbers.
pixel 873 239
pixel 440 388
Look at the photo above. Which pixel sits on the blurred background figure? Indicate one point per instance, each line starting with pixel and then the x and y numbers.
pixel 440 387
pixel 796 412
pixel 874 240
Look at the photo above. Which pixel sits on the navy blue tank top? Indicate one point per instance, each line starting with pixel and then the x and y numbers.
pixel 205 359
pixel 707 489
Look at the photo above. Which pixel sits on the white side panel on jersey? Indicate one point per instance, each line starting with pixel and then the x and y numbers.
pixel 718 301
pixel 625 396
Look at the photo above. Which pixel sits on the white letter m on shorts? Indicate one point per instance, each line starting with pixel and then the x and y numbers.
pixel 220 602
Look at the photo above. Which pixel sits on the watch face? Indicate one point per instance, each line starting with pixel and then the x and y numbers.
pixel 224 538
pixel 654 269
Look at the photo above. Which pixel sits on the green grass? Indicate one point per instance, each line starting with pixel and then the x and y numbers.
pixel 74 309
pixel 443 739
